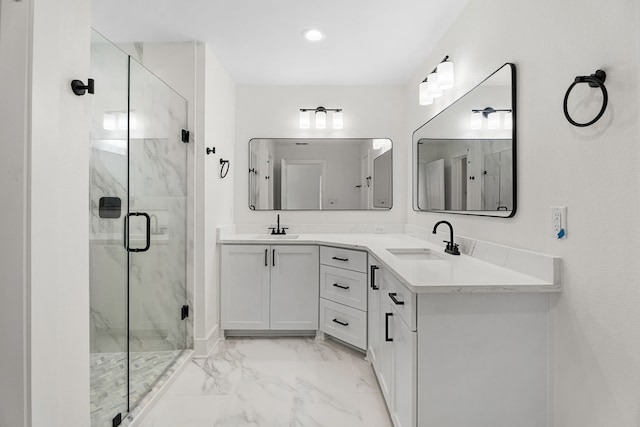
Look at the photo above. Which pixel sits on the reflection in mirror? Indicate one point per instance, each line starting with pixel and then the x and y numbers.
pixel 465 159
pixel 320 174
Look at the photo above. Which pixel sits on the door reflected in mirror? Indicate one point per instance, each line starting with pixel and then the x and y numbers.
pixel 320 174
pixel 465 159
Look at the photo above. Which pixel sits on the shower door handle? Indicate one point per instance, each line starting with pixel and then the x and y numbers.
pixel 147 228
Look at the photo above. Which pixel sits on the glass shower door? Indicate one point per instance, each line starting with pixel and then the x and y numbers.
pixel 157 228
pixel 108 268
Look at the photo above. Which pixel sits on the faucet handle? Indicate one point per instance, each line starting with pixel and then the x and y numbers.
pixel 452 248
pixel 273 230
pixel 283 229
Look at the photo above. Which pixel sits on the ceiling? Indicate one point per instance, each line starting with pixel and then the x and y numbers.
pixel 259 42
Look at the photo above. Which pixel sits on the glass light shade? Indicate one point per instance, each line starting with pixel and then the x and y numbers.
pixel 321 119
pixel 433 90
pixel 109 121
pixel 494 120
pixel 425 99
pixel 508 120
pixel 304 120
pixel 337 120
pixel 445 75
pixel 475 122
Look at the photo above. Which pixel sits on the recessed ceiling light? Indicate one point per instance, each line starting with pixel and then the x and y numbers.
pixel 313 35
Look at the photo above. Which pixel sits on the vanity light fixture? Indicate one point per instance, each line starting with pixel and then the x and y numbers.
pixel 493 118
pixel 320 114
pixel 440 79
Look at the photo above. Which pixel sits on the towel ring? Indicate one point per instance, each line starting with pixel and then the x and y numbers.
pixel 224 171
pixel 595 80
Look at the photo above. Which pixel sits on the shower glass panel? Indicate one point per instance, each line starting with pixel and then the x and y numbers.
pixel 158 221
pixel 108 267
pixel 138 237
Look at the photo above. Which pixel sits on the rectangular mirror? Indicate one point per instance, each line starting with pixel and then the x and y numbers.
pixel 320 174
pixel 465 155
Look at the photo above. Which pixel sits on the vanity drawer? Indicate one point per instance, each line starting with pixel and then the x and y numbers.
pixel 344 286
pixel 345 323
pixel 402 299
pixel 344 258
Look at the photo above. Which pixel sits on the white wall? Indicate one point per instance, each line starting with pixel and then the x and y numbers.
pixel 14 175
pixel 272 112
pixel 219 132
pixel 593 171
pixel 59 239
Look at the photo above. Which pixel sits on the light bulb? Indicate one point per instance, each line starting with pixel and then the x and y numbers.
pixel 508 120
pixel 425 99
pixel 432 86
pixel 476 121
pixel 304 119
pixel 337 120
pixel 494 120
pixel 445 75
pixel 321 119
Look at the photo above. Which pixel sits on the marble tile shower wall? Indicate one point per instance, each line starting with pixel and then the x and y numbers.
pixel 159 174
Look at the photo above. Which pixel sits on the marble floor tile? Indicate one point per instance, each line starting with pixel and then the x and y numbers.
pixel 279 382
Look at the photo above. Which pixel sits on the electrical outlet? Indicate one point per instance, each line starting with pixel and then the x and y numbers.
pixel 559 222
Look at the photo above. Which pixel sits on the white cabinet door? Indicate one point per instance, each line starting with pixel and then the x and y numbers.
pixel 295 287
pixel 373 314
pixel 244 281
pixel 403 372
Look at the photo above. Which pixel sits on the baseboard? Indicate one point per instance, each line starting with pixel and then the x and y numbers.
pixel 202 347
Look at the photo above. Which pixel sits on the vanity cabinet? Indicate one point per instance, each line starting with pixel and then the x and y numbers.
pixel 269 287
pixel 458 359
pixel 343 294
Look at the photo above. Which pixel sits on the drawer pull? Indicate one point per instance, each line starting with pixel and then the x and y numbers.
pixel 340 259
pixel 341 323
pixel 373 277
pixel 386 327
pixel 392 295
pixel 340 286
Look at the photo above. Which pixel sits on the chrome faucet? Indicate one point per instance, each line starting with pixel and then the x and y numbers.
pixel 278 231
pixel 452 248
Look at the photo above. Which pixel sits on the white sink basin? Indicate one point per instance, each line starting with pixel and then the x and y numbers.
pixel 415 254
pixel 276 236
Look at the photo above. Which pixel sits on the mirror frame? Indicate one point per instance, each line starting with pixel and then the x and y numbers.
pixel 493 214
pixel 374 209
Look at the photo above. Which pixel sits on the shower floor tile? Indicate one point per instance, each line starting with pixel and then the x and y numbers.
pixel 109 381
pixel 274 382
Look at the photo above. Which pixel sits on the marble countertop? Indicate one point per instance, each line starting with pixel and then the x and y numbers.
pixel 451 274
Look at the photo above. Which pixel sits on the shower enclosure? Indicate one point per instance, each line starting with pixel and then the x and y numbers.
pixel 138 237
